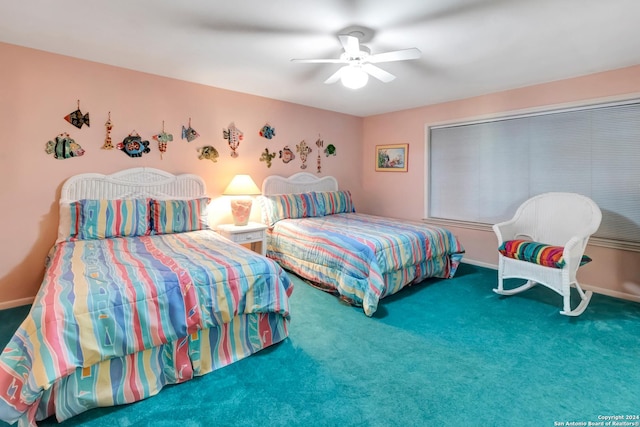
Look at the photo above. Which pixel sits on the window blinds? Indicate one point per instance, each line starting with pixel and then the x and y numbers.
pixel 480 172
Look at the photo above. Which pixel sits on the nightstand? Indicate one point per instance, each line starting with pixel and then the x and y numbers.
pixel 251 233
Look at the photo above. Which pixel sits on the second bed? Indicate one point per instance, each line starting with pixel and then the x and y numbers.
pixel 315 232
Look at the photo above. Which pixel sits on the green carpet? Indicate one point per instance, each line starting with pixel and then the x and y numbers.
pixel 442 353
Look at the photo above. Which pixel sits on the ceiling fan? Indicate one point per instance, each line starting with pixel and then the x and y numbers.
pixel 360 62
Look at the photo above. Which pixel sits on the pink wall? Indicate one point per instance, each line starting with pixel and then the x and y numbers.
pixel 38 89
pixel 401 195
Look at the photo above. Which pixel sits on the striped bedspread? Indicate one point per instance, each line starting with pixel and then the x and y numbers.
pixel 104 299
pixel 362 257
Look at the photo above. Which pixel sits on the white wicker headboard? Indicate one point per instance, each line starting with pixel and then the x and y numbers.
pixel 302 182
pixel 132 183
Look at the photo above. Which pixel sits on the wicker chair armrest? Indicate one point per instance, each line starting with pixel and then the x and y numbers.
pixel 510 230
pixel 574 250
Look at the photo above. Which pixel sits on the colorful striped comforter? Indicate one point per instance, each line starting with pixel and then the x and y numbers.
pixel 104 299
pixel 363 258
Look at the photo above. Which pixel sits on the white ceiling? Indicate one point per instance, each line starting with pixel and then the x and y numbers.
pixel 469 47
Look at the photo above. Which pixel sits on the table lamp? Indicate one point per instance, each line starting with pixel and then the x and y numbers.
pixel 242 188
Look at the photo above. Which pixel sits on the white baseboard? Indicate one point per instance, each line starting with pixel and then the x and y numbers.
pixel 585 286
pixel 479 263
pixel 16 303
pixel 610 293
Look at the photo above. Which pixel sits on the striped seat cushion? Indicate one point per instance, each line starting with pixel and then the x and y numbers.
pixel 537 253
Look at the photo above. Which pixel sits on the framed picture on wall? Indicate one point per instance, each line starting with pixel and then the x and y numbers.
pixel 392 158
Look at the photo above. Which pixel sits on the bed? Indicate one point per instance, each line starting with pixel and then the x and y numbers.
pixel 137 293
pixel 315 232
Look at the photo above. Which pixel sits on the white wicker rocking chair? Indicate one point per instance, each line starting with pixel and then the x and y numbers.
pixel 550 225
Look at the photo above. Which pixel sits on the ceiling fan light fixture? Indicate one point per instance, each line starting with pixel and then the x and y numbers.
pixel 360 63
pixel 354 77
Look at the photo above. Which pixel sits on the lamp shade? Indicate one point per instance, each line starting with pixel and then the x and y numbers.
pixel 241 185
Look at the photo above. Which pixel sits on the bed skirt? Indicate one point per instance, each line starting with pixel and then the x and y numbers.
pixel 141 375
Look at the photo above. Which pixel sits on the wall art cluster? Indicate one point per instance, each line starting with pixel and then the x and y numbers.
pixel 63 146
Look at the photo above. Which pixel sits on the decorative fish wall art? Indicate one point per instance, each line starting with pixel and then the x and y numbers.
pixel 267 131
pixel 286 154
pixel 64 147
pixel 162 139
pixel 319 144
pixel 304 150
pixel 76 118
pixel 133 145
pixel 189 133
pixel 234 136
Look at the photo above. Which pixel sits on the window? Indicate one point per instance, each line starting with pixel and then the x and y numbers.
pixel 480 172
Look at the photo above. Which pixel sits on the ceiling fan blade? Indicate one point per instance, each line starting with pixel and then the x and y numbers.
pixel 378 73
pixel 320 61
pixel 350 44
pixel 334 77
pixel 396 55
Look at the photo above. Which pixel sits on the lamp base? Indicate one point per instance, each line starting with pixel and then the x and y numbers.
pixel 241 210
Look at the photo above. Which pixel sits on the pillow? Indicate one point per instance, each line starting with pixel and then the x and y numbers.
pixel 64 223
pixel 179 216
pixel 102 219
pixel 283 206
pixel 334 202
pixel 537 253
